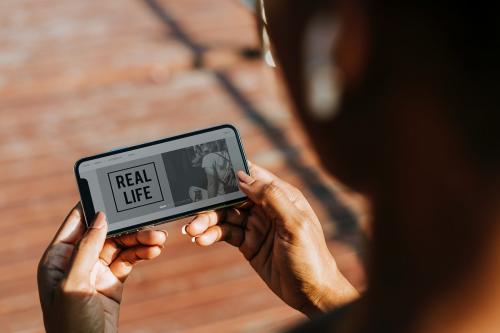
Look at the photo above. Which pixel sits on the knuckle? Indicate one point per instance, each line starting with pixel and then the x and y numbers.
pixel 212 217
pixel 271 191
pixel 298 193
pixel 133 258
pixel 298 224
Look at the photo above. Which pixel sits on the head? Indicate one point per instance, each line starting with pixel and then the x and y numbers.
pixel 207 148
pixel 399 99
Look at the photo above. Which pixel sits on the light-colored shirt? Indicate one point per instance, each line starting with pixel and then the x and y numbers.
pixel 218 162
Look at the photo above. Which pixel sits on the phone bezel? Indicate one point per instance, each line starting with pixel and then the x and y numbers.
pixel 87 210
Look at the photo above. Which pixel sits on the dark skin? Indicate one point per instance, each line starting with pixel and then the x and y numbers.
pixel 81 275
pixel 406 137
pixel 281 237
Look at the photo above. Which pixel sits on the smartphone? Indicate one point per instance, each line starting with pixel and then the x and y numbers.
pixel 164 180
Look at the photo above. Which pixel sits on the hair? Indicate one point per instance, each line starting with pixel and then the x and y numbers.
pixel 459 42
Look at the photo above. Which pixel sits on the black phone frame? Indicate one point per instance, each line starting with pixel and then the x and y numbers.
pixel 86 198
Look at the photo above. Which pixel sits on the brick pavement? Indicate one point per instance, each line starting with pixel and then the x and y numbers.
pixel 80 77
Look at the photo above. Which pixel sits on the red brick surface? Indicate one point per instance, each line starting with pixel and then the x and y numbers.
pixel 81 77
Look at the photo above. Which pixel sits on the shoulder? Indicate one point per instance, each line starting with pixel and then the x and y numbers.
pixel 208 160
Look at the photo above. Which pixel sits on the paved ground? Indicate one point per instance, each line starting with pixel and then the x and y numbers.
pixel 80 77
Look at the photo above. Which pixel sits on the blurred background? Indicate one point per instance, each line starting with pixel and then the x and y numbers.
pixel 82 77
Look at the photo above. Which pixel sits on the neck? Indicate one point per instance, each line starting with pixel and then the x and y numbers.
pixel 474 305
pixel 437 244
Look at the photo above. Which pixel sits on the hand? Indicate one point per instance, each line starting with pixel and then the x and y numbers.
pixel 81 274
pixel 280 235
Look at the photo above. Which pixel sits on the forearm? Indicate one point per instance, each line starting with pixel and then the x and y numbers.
pixel 211 183
pixel 211 189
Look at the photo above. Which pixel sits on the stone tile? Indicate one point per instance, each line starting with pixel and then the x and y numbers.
pixel 78 78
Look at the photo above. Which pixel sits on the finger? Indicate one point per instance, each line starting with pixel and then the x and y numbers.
pixel 53 267
pixel 143 237
pixel 68 234
pixel 266 176
pixel 110 251
pixel 55 261
pixel 224 232
pixel 113 246
pixel 257 221
pixel 236 217
pixel 259 172
pixel 72 229
pixel 87 252
pixel 245 205
pixel 200 224
pixel 264 244
pixel 204 221
pixel 123 264
pixel 270 196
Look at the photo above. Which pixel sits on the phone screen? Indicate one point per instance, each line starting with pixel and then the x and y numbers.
pixel 163 180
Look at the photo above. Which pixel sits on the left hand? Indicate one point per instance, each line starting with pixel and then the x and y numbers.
pixel 279 234
pixel 81 274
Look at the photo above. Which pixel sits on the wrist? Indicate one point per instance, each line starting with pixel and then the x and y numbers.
pixel 332 292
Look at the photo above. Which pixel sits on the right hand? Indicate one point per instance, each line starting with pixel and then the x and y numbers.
pixel 280 235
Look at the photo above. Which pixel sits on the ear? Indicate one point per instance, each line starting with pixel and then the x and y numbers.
pixel 351 51
pixel 335 45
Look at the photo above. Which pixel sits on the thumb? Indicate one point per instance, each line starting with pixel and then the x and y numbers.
pixel 270 196
pixel 87 252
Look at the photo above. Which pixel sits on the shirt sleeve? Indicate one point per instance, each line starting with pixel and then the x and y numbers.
pixel 208 161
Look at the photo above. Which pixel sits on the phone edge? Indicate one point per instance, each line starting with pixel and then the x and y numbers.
pixel 151 143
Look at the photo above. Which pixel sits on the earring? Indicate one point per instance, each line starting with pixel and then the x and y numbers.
pixel 323 80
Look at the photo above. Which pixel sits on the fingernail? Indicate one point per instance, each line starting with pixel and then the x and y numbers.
pixel 100 221
pixel 244 178
pixel 193 239
pixel 249 163
pixel 183 229
pixel 165 232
